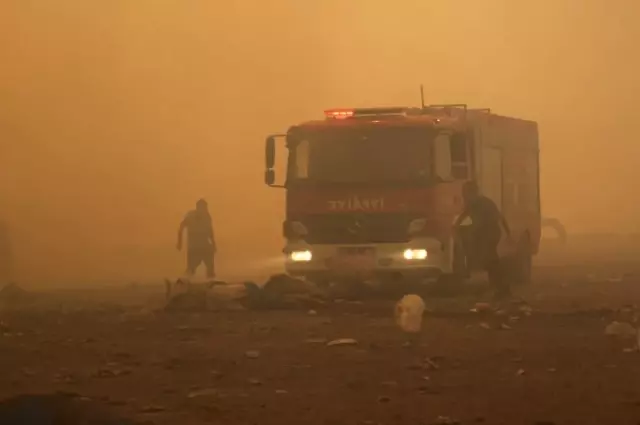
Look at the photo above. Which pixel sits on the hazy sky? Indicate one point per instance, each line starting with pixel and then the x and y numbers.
pixel 115 116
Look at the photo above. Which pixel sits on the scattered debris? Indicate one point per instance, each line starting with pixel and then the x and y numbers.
pixel 526 310
pixel 481 308
pixel 431 364
pixel 205 392
pixel 252 354
pixel 111 372
pixel 152 409
pixel 282 292
pixel 316 340
pixel 65 377
pixel 28 372
pixel 621 330
pixel 445 420
pixel 342 341
pixel 186 296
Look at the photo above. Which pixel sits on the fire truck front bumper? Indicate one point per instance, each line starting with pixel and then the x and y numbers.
pixel 426 258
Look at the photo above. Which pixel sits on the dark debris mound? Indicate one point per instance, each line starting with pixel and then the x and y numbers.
pixel 282 292
pixel 56 409
pixel 12 293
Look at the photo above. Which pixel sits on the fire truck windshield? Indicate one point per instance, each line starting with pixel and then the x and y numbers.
pixel 348 155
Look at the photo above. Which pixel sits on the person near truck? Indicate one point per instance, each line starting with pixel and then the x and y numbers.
pixel 485 234
pixel 201 245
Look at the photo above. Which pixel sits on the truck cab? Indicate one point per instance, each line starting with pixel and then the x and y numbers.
pixel 374 192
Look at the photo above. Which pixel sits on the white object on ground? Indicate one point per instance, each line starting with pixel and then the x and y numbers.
pixel 409 311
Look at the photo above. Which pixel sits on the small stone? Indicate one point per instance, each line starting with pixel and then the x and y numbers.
pixel 252 354
pixel 152 409
pixel 445 420
pixel 431 364
pixel 255 382
pixel 481 308
pixel 28 372
pixel 316 340
pixel 520 372
pixel 383 399
pixel 206 392
pixel 342 341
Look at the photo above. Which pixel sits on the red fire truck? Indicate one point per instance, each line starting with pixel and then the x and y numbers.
pixel 375 191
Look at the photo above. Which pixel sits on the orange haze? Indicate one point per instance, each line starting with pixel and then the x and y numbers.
pixel 116 116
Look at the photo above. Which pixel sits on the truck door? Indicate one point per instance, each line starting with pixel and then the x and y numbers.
pixel 491 180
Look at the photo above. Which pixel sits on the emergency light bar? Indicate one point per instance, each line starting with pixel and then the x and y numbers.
pixel 363 112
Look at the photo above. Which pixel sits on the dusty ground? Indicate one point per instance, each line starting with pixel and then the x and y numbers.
pixel 245 367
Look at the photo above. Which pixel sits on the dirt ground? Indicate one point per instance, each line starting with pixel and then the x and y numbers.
pixel 551 364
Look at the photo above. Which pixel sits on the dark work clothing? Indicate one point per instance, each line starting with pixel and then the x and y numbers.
pixel 484 238
pixel 200 255
pixel 485 215
pixel 199 229
pixel 201 244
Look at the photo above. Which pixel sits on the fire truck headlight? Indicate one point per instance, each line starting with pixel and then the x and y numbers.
pixel 300 256
pixel 417 225
pixel 415 254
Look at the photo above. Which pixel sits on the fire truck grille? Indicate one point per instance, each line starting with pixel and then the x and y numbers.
pixel 356 229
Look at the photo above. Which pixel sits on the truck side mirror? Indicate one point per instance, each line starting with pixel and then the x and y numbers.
pixel 269 177
pixel 270 152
